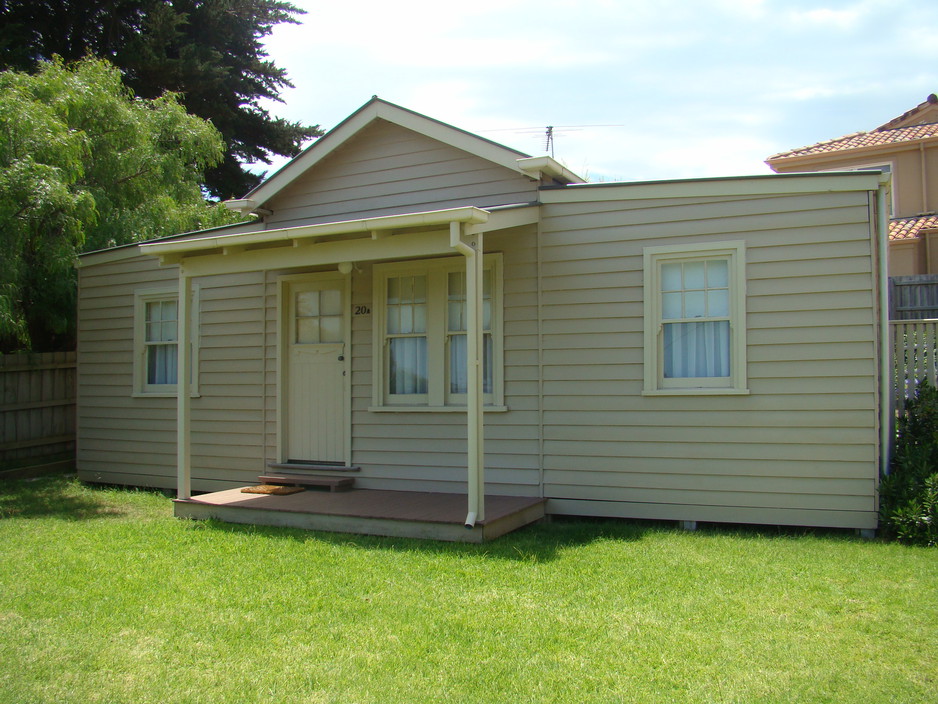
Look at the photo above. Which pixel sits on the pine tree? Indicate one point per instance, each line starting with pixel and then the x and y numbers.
pixel 210 52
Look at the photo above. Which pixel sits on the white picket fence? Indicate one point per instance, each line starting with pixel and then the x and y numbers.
pixel 915 357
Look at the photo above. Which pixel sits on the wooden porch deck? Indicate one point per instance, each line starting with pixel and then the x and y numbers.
pixel 406 514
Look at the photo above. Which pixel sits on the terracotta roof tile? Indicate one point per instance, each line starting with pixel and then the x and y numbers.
pixel 910 228
pixel 864 139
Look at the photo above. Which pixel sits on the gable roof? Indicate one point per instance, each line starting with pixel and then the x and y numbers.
pixel 921 113
pixel 921 122
pixel 378 109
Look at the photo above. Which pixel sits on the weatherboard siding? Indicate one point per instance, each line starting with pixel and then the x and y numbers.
pixel 427 451
pixel 131 439
pixel 803 443
pixel 388 170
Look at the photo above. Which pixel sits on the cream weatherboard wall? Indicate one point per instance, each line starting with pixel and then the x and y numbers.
pixel 799 448
pixel 127 437
pixel 387 169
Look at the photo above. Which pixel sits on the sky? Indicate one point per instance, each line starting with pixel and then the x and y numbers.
pixel 635 90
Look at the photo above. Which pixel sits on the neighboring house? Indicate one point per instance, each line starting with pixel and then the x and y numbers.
pixel 688 350
pixel 906 147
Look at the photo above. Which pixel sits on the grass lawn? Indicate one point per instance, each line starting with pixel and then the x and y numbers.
pixel 104 597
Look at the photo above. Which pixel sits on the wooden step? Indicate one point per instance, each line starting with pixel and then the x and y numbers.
pixel 300 467
pixel 286 479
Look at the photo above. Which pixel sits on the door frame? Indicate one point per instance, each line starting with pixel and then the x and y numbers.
pixel 284 328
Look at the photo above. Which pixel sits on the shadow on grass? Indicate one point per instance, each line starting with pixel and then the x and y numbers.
pixel 60 497
pixel 539 542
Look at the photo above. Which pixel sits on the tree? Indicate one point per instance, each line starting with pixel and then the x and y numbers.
pixel 210 52
pixel 85 165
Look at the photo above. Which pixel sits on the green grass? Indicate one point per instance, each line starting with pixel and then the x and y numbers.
pixel 104 597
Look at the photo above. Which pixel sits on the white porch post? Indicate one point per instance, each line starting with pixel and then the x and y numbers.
pixel 475 459
pixel 183 376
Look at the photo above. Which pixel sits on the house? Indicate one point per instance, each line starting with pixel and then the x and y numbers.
pixel 906 147
pixel 434 312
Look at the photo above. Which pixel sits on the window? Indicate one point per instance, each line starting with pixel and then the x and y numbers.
pixel 155 341
pixel 695 331
pixel 420 333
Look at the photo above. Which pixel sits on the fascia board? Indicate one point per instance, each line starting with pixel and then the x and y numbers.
pixel 468 215
pixel 777 184
pixel 105 256
pixel 534 166
pixel 357 121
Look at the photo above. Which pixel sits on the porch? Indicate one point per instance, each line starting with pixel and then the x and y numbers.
pixel 404 514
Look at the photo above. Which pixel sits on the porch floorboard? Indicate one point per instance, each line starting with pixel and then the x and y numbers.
pixel 409 514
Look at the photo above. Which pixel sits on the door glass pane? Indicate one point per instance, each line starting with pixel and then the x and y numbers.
pixel 330 302
pixel 307 303
pixel 330 328
pixel 307 330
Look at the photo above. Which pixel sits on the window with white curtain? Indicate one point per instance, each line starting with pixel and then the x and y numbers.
pixel 695 318
pixel 420 331
pixel 156 334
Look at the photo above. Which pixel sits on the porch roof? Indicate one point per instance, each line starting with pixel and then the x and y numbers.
pixel 331 242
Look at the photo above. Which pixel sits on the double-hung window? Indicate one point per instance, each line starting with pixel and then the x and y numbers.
pixel 156 335
pixel 695 331
pixel 420 333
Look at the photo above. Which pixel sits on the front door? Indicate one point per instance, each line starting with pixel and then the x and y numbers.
pixel 314 382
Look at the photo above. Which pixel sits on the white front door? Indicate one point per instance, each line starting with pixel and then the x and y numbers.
pixel 314 359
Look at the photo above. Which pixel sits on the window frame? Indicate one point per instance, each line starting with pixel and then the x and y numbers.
pixel 734 253
pixel 153 295
pixel 438 396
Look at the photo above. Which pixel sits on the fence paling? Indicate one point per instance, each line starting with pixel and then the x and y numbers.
pixel 37 407
pixel 915 344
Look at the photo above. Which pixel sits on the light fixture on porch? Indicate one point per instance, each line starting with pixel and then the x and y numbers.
pixel 345 268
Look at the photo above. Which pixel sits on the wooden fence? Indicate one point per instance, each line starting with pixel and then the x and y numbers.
pixel 915 357
pixel 37 409
pixel 913 297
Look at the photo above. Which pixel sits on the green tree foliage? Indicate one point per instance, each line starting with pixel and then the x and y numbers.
pixel 210 52
pixel 85 165
pixel 909 494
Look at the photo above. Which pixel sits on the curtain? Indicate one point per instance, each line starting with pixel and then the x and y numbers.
pixel 457 364
pixel 161 364
pixel 697 349
pixel 408 365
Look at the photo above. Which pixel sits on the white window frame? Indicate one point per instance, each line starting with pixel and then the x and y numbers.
pixel 438 397
pixel 141 298
pixel 655 384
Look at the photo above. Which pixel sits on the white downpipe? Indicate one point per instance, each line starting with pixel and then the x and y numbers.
pixel 183 375
pixel 885 351
pixel 474 421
